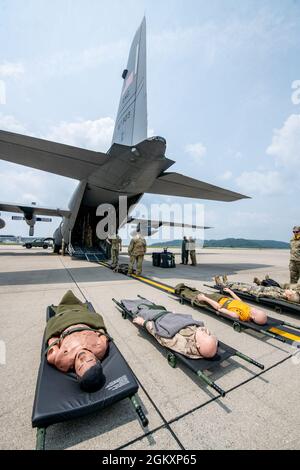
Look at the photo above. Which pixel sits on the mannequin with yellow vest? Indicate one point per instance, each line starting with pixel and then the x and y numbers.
pixel 233 307
pixel 136 250
pixel 295 256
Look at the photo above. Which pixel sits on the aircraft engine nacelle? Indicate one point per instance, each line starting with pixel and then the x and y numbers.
pixel 2 224
pixel 31 220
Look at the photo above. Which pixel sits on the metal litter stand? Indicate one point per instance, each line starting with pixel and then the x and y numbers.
pixel 138 409
pixel 240 326
pixel 134 399
pixel 237 353
pixel 237 325
pixel 173 358
pixel 40 438
pixel 41 432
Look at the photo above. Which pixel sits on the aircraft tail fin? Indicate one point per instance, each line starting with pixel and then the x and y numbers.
pixel 131 121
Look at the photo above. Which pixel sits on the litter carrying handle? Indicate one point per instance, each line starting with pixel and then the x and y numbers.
pixel 139 411
pixel 117 303
pixel 250 360
pixel 258 364
pixel 210 382
pixel 142 416
pixel 218 389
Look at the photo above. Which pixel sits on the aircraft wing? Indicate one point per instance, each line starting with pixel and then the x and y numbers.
pixel 175 184
pixel 156 224
pixel 53 157
pixel 34 210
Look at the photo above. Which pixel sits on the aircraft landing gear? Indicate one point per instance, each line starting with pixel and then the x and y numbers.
pixel 56 249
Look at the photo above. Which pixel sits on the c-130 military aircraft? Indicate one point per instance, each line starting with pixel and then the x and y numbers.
pixel 133 165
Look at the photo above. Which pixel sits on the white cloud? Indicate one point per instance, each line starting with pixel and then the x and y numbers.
pixel 262 183
pixel 11 124
pixel 2 92
pixel 262 33
pixel 11 69
pixel 238 155
pixel 285 146
pixel 239 223
pixel 21 184
pixel 295 98
pixel 94 135
pixel 67 62
pixel 227 175
pixel 150 132
pixel 197 151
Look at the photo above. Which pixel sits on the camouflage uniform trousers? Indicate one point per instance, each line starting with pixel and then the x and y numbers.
pixel 294 271
pixel 295 287
pixel 193 257
pixel 190 294
pixel 257 291
pixel 138 259
pixel 114 256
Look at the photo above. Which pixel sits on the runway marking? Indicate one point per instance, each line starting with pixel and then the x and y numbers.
pixel 154 283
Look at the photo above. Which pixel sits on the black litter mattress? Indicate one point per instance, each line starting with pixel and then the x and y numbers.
pixel 197 365
pixel 58 396
pixel 270 327
pixel 277 304
pixel 200 364
pixel 271 322
pixel 224 352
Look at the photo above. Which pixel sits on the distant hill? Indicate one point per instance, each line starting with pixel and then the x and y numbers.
pixel 230 243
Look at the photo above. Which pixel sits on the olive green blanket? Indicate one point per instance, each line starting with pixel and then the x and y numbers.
pixel 71 311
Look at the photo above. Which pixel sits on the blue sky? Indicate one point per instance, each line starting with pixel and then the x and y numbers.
pixel 220 76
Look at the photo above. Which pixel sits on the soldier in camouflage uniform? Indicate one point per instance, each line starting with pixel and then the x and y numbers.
pixel 136 251
pixel 192 251
pixel 285 292
pixel 116 246
pixel 295 256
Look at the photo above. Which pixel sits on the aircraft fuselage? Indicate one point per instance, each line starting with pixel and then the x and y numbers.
pixel 129 171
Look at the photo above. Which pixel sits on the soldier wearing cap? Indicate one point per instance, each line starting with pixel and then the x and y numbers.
pixel 295 256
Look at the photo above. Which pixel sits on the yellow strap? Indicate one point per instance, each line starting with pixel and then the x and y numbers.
pixel 285 334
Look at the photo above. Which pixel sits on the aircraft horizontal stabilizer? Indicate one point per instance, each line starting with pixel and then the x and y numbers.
pixel 33 210
pixel 63 160
pixel 156 224
pixel 175 184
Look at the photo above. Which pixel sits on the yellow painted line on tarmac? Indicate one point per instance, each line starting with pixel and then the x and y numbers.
pixel 285 334
pixel 146 280
pixel 154 283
